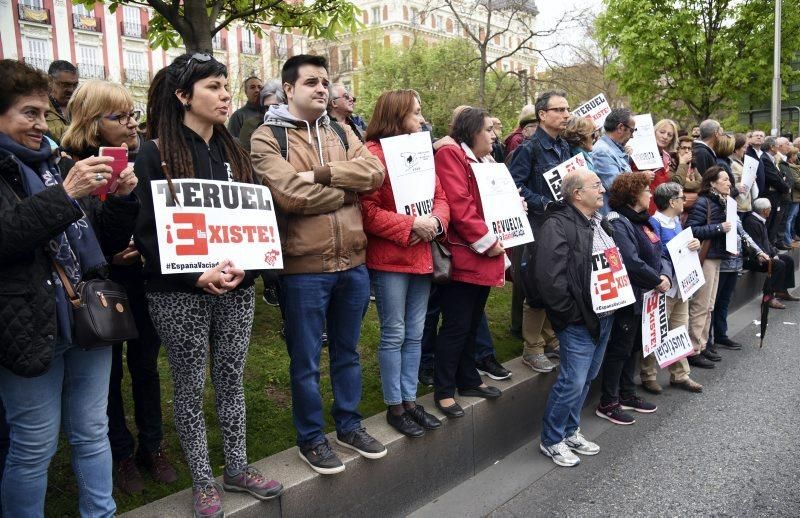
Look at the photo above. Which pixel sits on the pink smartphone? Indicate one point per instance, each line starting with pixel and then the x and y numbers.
pixel 120 156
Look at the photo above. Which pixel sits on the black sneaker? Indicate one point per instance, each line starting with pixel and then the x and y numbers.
pixel 615 414
pixel 426 376
pixel 322 459
pixel 270 296
pixel 489 366
pixel 362 442
pixel 700 361
pixel 638 404
pixel 728 343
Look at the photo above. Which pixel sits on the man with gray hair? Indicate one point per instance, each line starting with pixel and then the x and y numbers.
pixel 783 145
pixel 574 240
pixel 609 156
pixel 341 106
pixel 783 280
pixel 776 185
pixel 703 149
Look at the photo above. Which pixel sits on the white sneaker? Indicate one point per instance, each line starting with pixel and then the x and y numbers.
pixel 561 454
pixel 579 444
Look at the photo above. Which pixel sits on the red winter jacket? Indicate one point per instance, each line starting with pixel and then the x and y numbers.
pixel 388 232
pixel 662 175
pixel 468 238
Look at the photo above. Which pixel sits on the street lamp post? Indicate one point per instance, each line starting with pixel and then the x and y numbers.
pixel 776 79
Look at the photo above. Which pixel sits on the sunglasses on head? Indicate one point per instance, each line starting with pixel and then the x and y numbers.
pixel 199 57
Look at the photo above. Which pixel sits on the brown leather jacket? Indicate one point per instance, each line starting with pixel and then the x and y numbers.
pixel 319 221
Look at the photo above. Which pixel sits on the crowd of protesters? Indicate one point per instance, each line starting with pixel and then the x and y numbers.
pixel 344 243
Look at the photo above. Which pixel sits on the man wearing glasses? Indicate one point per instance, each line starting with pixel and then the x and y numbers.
pixel 609 155
pixel 63 82
pixel 341 110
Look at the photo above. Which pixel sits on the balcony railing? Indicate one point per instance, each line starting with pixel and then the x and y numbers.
pixel 249 48
pixel 138 76
pixel 92 71
pixel 133 30
pixel 41 63
pixel 33 14
pixel 219 44
pixel 86 23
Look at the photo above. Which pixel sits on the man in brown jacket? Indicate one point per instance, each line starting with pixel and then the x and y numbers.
pixel 315 170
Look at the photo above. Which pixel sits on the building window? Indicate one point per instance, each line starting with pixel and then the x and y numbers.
pixel 414 16
pixel 345 61
pixel 136 67
pixel 33 11
pixel 376 15
pixel 132 22
pixel 440 23
pixel 37 53
pixel 90 64
pixel 248 42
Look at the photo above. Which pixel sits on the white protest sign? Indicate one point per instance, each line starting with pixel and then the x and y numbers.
pixel 686 263
pixel 214 221
pixel 502 208
pixel 645 149
pixel 409 159
pixel 731 217
pixel 675 346
pixel 610 285
pixel 749 173
pixel 556 175
pixel 595 110
pixel 654 321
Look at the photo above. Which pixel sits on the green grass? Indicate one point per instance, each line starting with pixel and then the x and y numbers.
pixel 269 417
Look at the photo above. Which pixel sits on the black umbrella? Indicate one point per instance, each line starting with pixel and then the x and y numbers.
pixel 766 298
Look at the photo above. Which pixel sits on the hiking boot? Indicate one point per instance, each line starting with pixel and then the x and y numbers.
pixel 253 482
pixel 652 386
pixel 158 465
pixel 362 442
pixel 615 414
pixel 207 502
pixel 638 404
pixel 127 477
pixel 539 363
pixel 560 454
pixel 321 458
pixel 579 444
pixel 489 366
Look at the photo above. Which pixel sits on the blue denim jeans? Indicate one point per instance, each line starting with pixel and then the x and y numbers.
pixel 402 300
pixel 793 209
pixel 339 299
pixel 72 394
pixel 580 362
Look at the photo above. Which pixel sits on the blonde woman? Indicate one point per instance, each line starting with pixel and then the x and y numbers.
pixel 667 140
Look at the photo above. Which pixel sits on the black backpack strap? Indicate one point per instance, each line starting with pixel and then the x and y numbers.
pixel 335 126
pixel 279 132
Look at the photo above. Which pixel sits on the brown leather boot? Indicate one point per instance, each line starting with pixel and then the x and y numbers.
pixel 127 477
pixel 652 386
pixel 158 465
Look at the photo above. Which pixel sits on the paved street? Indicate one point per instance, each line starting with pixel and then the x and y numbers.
pixel 731 451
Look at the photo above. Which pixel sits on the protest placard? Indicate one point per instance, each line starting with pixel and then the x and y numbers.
pixel 686 263
pixel 409 160
pixel 595 110
pixel 749 175
pixel 645 149
pixel 731 245
pixel 213 221
pixel 610 285
pixel 502 208
pixel 675 346
pixel 556 175
pixel 654 321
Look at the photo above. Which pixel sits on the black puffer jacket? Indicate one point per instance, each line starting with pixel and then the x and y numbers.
pixel 705 228
pixel 563 268
pixel 28 326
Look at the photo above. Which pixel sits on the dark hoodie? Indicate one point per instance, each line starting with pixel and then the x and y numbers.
pixel 209 163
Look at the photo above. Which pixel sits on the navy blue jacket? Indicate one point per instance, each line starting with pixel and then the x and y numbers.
pixel 702 157
pixel 642 256
pixel 534 157
pixel 703 230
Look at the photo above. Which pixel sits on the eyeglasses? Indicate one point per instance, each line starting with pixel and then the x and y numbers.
pixel 559 109
pixel 346 96
pixel 682 197
pixel 67 84
pixel 124 118
pixel 595 186
pixel 199 57
pixel 632 130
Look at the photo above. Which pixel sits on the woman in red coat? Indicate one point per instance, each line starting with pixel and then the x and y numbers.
pixel 400 264
pixel 478 263
pixel 667 141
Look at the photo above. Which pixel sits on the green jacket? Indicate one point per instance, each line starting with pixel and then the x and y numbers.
pixel 56 122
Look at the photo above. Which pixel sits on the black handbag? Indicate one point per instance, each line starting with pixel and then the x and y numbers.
pixel 442 263
pixel 101 312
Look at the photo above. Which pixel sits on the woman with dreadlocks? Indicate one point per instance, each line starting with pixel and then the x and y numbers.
pixel 199 316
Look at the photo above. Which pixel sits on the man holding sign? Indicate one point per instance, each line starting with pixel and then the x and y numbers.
pixel 545 150
pixel 315 177
pixel 574 235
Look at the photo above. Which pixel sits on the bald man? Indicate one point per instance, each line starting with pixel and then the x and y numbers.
pixel 575 241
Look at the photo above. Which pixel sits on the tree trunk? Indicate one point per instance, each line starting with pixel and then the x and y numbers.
pixel 482 78
pixel 196 29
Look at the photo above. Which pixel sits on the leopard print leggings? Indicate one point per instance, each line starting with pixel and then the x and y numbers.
pixel 191 325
